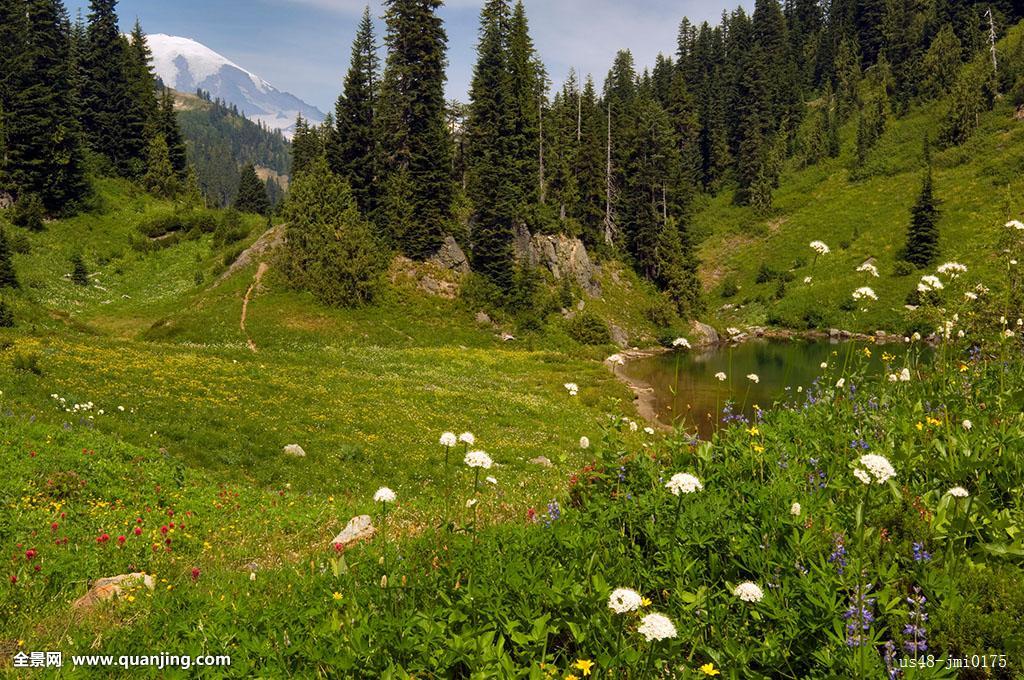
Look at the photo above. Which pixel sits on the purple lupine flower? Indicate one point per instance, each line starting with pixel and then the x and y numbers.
pixel 920 554
pixel 889 655
pixel 915 632
pixel 859 616
pixel 838 556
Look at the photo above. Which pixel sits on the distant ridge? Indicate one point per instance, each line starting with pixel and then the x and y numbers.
pixel 187 65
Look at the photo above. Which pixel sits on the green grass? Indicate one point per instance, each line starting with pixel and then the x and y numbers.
pixel 979 185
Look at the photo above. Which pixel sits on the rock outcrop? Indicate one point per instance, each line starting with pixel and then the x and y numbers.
pixel 450 256
pixel 358 529
pixel 107 588
pixel 704 335
pixel 560 255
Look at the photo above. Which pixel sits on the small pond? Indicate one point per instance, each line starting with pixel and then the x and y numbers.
pixel 688 393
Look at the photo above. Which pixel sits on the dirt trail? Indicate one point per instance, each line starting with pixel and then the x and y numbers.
pixel 260 271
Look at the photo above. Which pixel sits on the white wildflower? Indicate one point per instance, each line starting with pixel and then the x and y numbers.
pixel 754 378
pixel 869 268
pixel 1015 224
pixel 633 427
pixel 879 467
pixel 952 269
pixel 733 331
pixel 721 377
pixel 968 425
pixel 624 600
pixel 492 480
pixel 862 476
pixel 958 492
pixel 681 342
pixel 808 279
pixel 467 438
pixel 656 627
pixel 820 248
pixel 748 592
pixel 448 440
pixel 824 365
pixel 795 509
pixel 584 443
pixel 841 383
pixel 683 482
pixel 649 430
pixel 384 495
pixel 929 283
pixel 864 293
pixel 970 296
pixel 471 502
pixel 1008 333
pixel 572 388
pixel 478 459
pixel 905 375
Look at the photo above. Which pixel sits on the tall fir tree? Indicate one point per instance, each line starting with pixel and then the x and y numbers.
pixel 142 81
pixel 307 146
pixel 922 248
pixel 160 178
pixel 352 150
pixel 527 84
pixel 252 193
pixel 113 119
pixel 590 167
pixel 492 164
pixel 44 155
pixel 167 125
pixel 414 139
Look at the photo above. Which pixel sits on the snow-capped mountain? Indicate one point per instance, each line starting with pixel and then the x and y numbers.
pixel 186 65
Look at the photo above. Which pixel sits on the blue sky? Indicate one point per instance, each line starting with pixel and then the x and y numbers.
pixel 302 46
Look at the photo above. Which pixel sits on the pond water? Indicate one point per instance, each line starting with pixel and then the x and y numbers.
pixel 687 392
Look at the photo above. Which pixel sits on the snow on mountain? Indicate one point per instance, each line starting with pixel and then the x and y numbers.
pixel 186 65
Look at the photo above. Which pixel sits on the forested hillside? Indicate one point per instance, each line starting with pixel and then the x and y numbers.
pixel 220 141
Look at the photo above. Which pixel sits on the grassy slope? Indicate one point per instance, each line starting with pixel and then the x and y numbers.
pixel 869 217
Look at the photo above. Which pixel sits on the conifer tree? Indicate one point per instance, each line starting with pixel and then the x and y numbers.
pixel 527 85
pixel 330 249
pixel 79 273
pixel 113 119
pixel 492 164
pixel 43 142
pixel 352 150
pixel 160 179
pixel 590 167
pixel 142 81
pixel 252 193
pixel 307 146
pixel 167 125
pixel 6 315
pixel 8 277
pixel 414 140
pixel 922 247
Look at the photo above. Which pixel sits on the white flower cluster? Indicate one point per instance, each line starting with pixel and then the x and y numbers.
pixel 748 592
pixel 478 459
pixel 683 482
pixel 929 283
pixel 754 378
pixel 820 247
pixel 869 268
pixel 902 376
pixel 721 377
pixel 572 388
pixel 448 440
pixel 681 342
pixel 1015 224
pixel 384 495
pixel 953 269
pixel 656 627
pixel 864 293
pixel 624 600
pixel 958 492
pixel 795 509
pixel 584 443
pixel 879 468
pixel 467 438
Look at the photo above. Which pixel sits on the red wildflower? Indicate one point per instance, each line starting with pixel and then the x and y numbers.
pixel 121 539
pixel 138 520
pixel 138 531
pixel 195 573
pixel 103 538
pixel 163 529
pixel 30 553
pixel 38 567
pixel 338 547
pixel 14 579
pixel 531 515
pixel 172 525
pixel 53 527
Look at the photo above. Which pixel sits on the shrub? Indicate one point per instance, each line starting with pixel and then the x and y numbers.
pixel 28 212
pixel 587 328
pixel 79 274
pixel 848 305
pixel 814 318
pixel 661 313
pixel 730 288
pixel 19 243
pixel 27 362
pixel 230 230
pixel 6 315
pixel 903 268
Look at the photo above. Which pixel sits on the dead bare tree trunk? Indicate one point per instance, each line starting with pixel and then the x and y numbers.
pixel 609 226
pixel 542 188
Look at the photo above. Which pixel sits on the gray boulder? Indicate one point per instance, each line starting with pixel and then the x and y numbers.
pixel 358 529
pixel 294 450
pixel 560 255
pixel 450 256
pixel 704 335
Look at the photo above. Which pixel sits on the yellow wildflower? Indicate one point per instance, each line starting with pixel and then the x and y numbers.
pixel 758 448
pixel 336 596
pixel 645 602
pixel 920 426
pixel 584 665
pixel 709 669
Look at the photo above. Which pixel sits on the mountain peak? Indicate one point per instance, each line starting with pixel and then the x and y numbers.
pixel 187 65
